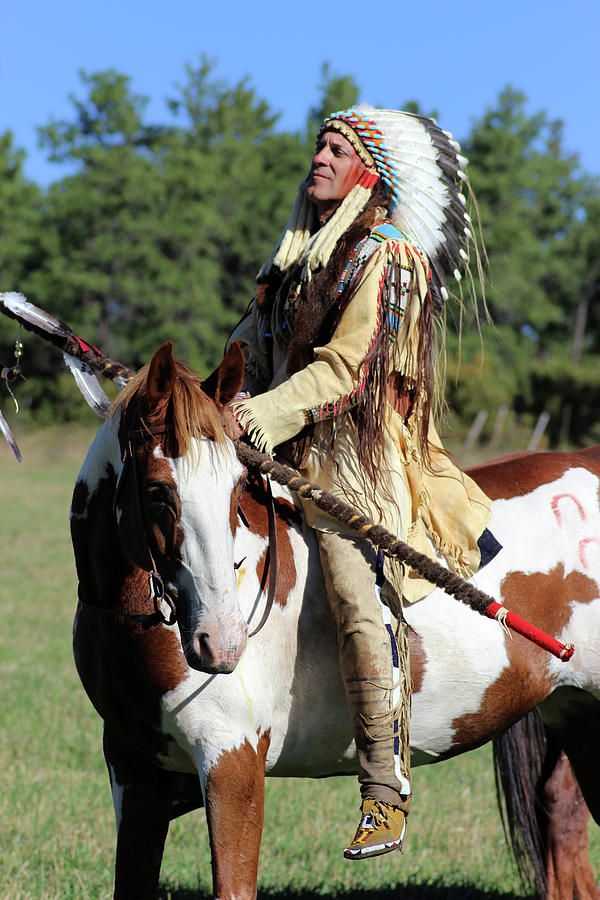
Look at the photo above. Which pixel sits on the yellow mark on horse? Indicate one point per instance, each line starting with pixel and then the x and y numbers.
pixel 246 695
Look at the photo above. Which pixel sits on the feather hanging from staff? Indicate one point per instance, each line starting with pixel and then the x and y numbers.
pixel 88 384
pixel 5 429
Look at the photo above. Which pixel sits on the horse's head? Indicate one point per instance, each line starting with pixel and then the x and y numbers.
pixel 177 497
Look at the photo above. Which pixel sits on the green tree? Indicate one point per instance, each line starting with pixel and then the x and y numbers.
pixel 20 211
pixel 160 232
pixel 102 220
pixel 234 178
pixel 21 242
pixel 532 200
pixel 336 92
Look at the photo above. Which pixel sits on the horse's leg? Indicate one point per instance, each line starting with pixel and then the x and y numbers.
pixel 572 717
pixel 142 796
pixel 234 811
pixel 568 864
pixel 545 815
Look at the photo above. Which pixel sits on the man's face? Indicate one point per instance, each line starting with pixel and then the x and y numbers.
pixel 335 169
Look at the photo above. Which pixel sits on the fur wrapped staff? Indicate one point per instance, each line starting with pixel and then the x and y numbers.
pixel 81 358
pixel 84 360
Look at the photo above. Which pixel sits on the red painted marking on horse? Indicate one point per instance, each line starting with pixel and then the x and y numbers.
pixel 582 547
pixel 556 503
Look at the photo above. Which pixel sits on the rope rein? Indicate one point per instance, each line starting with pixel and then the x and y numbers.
pixel 51 329
pixel 391 546
pixel 379 536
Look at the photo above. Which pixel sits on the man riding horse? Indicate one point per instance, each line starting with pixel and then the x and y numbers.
pixel 340 360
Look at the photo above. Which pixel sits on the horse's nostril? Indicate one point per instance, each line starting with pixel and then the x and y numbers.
pixel 203 645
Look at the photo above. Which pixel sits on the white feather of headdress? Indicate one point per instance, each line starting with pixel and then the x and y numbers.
pixel 427 173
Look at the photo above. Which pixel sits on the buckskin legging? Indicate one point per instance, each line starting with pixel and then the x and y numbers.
pixel 374 661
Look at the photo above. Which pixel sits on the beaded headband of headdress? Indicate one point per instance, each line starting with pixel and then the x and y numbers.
pixel 423 170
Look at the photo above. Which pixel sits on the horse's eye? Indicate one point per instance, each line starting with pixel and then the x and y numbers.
pixel 237 565
pixel 160 499
pixel 158 493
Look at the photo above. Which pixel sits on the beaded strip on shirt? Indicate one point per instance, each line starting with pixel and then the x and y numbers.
pixel 391 305
pixel 290 307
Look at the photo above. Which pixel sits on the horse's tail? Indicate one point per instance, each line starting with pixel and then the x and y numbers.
pixel 519 755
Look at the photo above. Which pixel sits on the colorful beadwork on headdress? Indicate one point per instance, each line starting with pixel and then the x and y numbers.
pixel 374 142
pixel 423 170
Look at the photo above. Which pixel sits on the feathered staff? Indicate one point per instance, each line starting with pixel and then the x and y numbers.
pixel 81 358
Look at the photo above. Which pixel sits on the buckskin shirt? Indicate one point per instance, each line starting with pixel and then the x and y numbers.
pixel 433 506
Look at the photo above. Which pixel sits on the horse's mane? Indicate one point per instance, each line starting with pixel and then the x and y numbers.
pixel 187 411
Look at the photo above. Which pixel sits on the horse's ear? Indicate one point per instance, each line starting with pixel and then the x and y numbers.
pixel 226 381
pixel 161 374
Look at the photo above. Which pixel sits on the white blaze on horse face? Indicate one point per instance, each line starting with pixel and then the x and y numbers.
pixel 213 629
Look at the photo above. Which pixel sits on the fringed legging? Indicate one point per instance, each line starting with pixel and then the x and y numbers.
pixel 374 661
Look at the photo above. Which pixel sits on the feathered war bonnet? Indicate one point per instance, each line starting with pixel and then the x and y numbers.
pixel 423 171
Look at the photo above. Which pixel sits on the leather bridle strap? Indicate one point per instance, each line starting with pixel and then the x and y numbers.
pixel 271 560
pixel 146 620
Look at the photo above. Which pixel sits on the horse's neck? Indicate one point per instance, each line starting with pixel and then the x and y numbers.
pixel 104 455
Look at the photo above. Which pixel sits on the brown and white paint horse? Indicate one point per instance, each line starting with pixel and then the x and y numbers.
pixel 196 712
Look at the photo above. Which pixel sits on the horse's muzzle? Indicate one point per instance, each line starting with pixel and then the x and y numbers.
pixel 215 652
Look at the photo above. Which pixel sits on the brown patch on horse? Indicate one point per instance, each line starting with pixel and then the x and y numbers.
pixel 234 812
pixel 106 646
pixel 418 660
pixel 517 690
pixel 520 473
pixel 286 516
pixel 545 599
pixel 527 680
pixel 149 510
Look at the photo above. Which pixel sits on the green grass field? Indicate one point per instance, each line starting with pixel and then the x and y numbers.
pixel 57 829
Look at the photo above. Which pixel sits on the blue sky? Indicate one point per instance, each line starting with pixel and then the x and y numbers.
pixel 451 56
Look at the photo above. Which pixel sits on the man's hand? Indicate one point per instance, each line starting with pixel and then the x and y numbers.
pixel 233 428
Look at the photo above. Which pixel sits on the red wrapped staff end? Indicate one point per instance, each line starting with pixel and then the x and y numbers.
pixel 564 652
